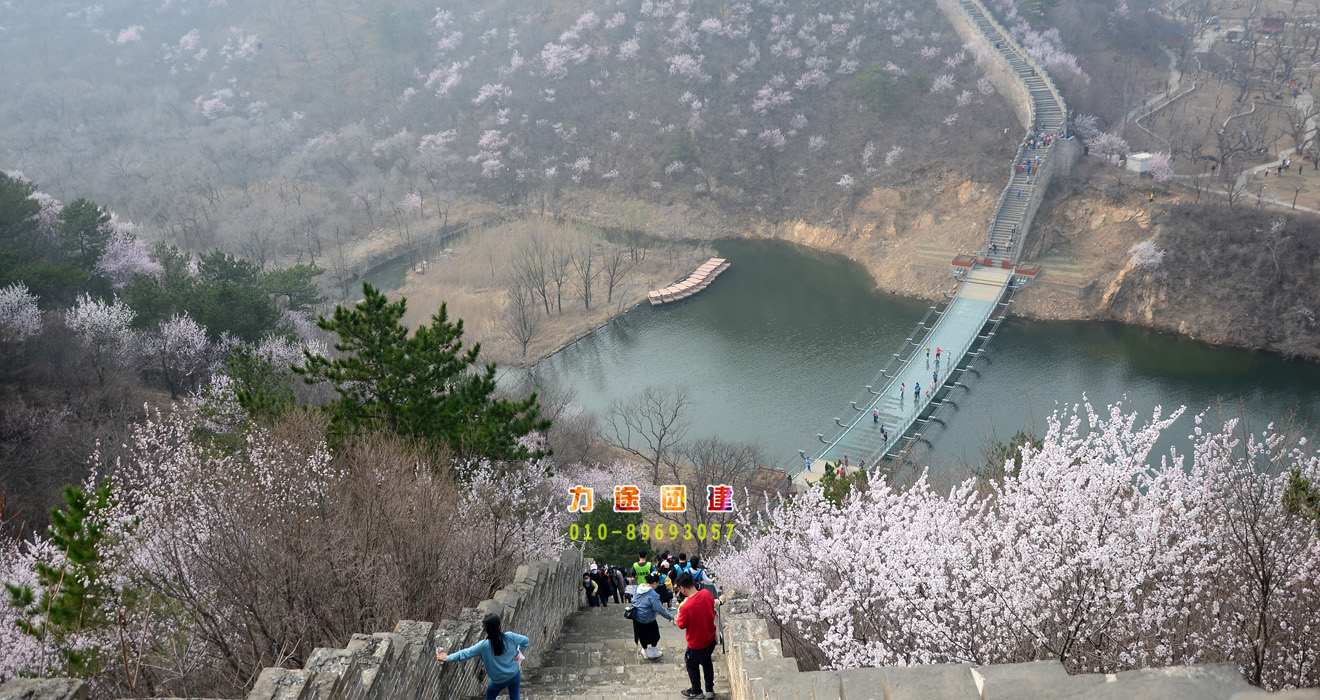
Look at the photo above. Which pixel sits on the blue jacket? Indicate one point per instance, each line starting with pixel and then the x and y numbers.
pixel 498 668
pixel 647 605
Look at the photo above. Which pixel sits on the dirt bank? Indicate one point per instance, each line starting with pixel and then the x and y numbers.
pixel 906 237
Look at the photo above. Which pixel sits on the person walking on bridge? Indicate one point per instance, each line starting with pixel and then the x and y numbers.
pixel 902 392
pixel 500 652
pixel 875 415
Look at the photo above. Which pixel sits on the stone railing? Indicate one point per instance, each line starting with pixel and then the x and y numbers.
pixel 758 670
pixel 401 665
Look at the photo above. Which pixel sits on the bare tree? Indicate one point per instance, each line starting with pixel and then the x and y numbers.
pixel 711 462
pixel 560 260
pixel 648 426
pixel 585 273
pixel 1235 184
pixel 521 321
pixel 615 263
pixel 531 268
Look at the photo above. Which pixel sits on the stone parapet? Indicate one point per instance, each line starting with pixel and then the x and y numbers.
pixel 43 689
pixel 758 670
pixel 401 665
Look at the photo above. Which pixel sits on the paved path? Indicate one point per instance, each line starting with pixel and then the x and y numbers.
pixel 596 659
pixel 954 334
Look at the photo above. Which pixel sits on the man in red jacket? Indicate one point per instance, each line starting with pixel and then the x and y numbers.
pixel 696 616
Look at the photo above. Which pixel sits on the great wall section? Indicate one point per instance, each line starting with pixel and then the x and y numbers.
pixel 580 653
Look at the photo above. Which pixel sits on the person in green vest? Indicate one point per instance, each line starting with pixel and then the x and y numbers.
pixel 642 568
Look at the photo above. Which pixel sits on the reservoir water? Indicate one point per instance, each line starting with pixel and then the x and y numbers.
pixel 777 346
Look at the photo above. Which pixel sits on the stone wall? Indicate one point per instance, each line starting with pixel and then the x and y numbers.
pixel 1005 79
pixel 401 665
pixel 758 670
pixel 1062 155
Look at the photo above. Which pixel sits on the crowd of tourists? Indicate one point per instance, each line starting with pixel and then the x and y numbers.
pixel 670 587
pixel 674 588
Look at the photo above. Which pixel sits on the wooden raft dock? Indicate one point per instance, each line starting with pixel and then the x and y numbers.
pixel 696 282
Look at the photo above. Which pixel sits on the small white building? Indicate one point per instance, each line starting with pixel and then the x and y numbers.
pixel 1138 162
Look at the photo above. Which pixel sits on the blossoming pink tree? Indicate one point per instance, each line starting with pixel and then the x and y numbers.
pixel 1161 166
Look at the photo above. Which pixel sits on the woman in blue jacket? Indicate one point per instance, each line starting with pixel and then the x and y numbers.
pixel 500 653
pixel 646 605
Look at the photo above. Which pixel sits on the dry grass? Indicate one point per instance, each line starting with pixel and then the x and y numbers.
pixel 471 277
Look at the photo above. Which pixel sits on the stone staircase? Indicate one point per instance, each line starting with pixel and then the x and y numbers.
pixel 1013 215
pixel 595 659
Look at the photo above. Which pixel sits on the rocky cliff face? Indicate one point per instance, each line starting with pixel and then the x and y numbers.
pixel 1239 277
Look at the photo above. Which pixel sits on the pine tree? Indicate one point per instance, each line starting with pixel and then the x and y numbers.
pixel 71 596
pixel 422 386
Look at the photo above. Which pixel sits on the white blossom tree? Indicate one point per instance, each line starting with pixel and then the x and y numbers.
pixel 106 333
pixel 1096 552
pixel 20 318
pixel 178 353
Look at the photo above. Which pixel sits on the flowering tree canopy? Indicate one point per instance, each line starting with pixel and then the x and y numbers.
pixel 1095 553
pixel 20 318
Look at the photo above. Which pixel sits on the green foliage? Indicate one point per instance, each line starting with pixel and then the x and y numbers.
pixel 84 232
pixel 837 488
pixel 263 390
pixel 882 89
pixel 23 256
pixel 227 293
pixel 294 287
pixel 1303 497
pixel 1036 10
pixel 1005 453
pixel 74 596
pixel 681 147
pixel 614 549
pixel 423 387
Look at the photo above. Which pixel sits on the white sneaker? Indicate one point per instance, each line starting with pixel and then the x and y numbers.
pixel 709 694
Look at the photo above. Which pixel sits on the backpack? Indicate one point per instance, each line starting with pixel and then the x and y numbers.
pixel 697 575
pixel 682 568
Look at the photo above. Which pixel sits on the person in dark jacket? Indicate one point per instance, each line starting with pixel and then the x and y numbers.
pixel 604 586
pixel 646 629
pixel 619 580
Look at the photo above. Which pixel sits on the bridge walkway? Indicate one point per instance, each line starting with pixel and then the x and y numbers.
pixel 921 374
pixel 981 299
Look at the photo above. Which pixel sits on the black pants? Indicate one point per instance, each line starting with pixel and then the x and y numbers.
pixel 617 591
pixel 701 657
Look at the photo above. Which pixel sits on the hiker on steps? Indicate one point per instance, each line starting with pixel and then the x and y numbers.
pixel 500 653
pixel 646 605
pixel 696 617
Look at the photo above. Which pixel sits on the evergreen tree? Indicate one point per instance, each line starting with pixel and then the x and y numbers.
pixel 1303 496
pixel 423 386
pixel 263 390
pixel 615 548
pixel 84 232
pixel 71 595
pixel 24 257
